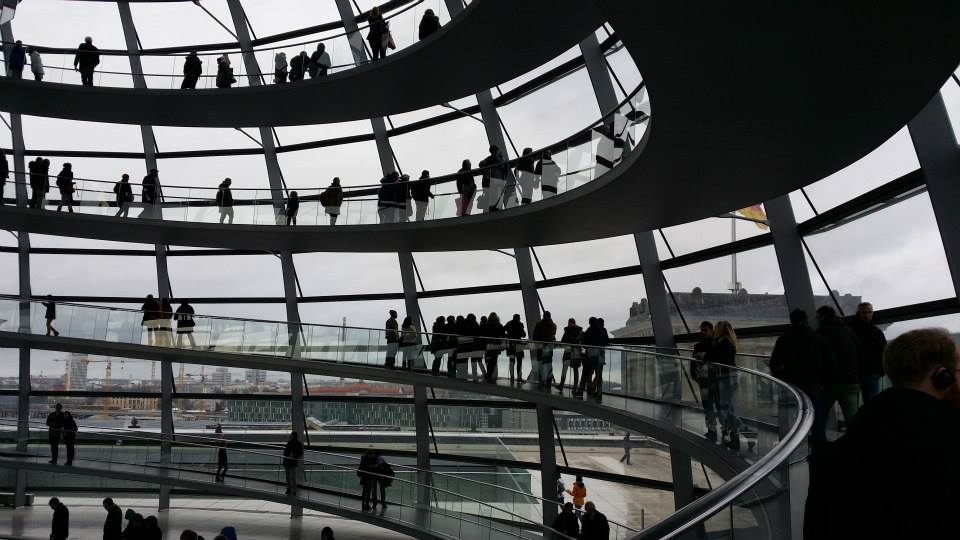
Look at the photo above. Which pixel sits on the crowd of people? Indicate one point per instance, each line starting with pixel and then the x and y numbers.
pixel 315 64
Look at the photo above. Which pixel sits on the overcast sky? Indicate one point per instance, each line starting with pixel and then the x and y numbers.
pixel 891 258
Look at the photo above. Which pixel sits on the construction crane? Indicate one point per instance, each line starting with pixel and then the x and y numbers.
pixel 84 361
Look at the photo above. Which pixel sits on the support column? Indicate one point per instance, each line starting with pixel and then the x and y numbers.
pixel 409 280
pixel 681 469
pixel 790 257
pixel 597 71
pixel 937 152
pixel 548 463
pixel 163 277
pixel 23 267
pixel 277 195
pixel 421 415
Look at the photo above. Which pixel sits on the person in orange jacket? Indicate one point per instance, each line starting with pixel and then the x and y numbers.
pixel 579 493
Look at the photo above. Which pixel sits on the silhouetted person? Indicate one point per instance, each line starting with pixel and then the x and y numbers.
pixel 69 435
pixel 151 529
pixel 66 185
pixel 39 182
pixel 124 193
pixel 292 457
pixel 293 206
pixel 192 69
pixel 566 522
pixel 185 323
pixel 894 474
pixel 421 195
pixel 526 177
pixel 228 533
pixel 384 478
pixel 55 431
pixel 548 173
pixel 843 386
pixel 393 339
pixel 870 345
pixel 387 196
pixel 151 318
pixel 50 315
pixel 545 333
pixel 578 491
pixel 593 524
pixel 494 332
pixel 86 60
pixel 225 200
pixel 515 331
pixel 135 526
pixel 402 200
pixel 150 189
pixel 36 64
pixel 332 199
pixel 722 354
pixel 494 179
pixel 225 78
pixel 466 188
pixel 60 527
pixel 222 462
pixel 113 526
pixel 429 24
pixel 280 68
pixel 298 66
pixel 165 330
pixel 18 59
pixel 409 343
pixel 627 447
pixel 365 471
pixel 326 534
pixel 319 62
pixel 377 36
pixel 802 357
pixel 572 353
pixel 439 344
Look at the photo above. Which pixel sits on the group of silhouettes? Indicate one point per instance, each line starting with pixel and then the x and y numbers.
pixel 466 342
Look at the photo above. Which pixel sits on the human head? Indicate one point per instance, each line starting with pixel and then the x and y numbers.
pixel 125 178
pixel 294 436
pixel 798 317
pixel 393 314
pixel 149 297
pixel 494 149
pixel 924 360
pixel 590 507
pixel 67 166
pixel 407 321
pixel 321 47
pixel 516 317
pixel 58 407
pixel 724 330
pixel 546 315
pixel 227 181
pixel 825 313
pixel 493 317
pixel 547 154
pixel 706 329
pixel 865 312
pixel 88 40
pixel 152 522
pixel 451 319
pixel 294 195
pixel 567 508
pixel 18 42
pixel 579 479
pixel 600 321
pixel 405 178
pixel 471 317
pixel 592 321
pixel 425 174
pixel 336 181
pixel 49 297
pixel 375 10
pixel 192 53
pixel 527 151
pixel 571 322
pixel 428 13
pixel 67 414
pixel 188 535
pixel 326 534
pixel 439 320
pixel 54 502
pixel 108 503
pixel 466 164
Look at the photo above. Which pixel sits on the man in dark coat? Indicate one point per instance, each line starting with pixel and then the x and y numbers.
pixel 870 345
pixel 69 435
pixel 192 69
pixel 896 472
pixel 55 431
pixel 4 173
pixel 60 528
pixel 515 331
pixel 843 386
pixel 566 522
pixel 594 525
pixel 150 187
pixel 298 66
pixel 802 357
pixel 86 60
pixel 18 59
pixel 113 526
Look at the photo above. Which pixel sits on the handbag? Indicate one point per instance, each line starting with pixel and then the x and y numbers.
pixel 390 42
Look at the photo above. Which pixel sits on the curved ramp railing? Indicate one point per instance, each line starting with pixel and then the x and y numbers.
pixel 576 160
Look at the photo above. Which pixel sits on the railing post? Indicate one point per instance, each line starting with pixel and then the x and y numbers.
pixel 421 416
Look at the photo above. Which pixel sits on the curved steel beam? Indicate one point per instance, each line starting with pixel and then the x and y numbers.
pixel 492 41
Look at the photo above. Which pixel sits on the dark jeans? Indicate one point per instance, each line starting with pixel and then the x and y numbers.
pixel 36 198
pixel 491 358
pixel 381 486
pixel 516 364
pixel 589 366
pixel 86 76
pixel 818 433
pixel 69 439
pixel 869 387
pixel 377 50
pixel 368 497
pixel 66 198
pixel 54 438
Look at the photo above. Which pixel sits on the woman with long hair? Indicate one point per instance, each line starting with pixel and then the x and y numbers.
pixel 724 353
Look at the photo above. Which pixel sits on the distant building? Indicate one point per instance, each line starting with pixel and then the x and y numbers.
pixel 76 377
pixel 221 378
pixel 742 309
pixel 134 403
pixel 255 376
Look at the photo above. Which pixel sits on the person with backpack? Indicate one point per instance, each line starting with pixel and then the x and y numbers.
pixel 332 199
pixel 66 185
pixel 225 200
pixel 319 62
pixel 298 66
pixel 225 78
pixel 124 196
